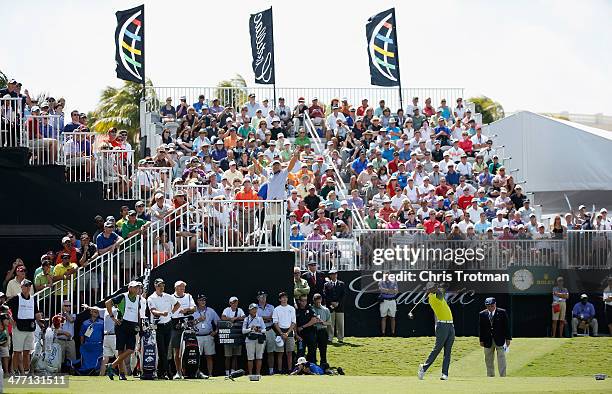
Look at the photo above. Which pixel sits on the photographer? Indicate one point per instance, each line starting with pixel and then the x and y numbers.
pixel 187 307
pixel 206 320
pixel 233 314
pixel 161 306
pixel 255 330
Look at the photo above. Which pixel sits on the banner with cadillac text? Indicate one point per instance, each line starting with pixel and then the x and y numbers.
pixel 262 47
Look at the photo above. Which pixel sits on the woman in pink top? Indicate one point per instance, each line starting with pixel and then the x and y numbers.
pixel 393 224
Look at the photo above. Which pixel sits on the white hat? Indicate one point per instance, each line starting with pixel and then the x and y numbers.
pixel 134 283
pixel 233 298
pixel 301 360
pixel 279 341
pixel 179 282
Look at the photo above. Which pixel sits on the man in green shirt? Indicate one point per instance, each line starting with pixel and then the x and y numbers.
pixel 445 330
pixel 300 286
pixel 133 256
pixel 323 320
pixel 45 277
pixel 302 139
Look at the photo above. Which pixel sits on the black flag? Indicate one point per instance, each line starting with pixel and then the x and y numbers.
pixel 381 33
pixel 262 46
pixel 129 45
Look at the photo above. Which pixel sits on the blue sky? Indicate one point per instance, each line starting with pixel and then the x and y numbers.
pixel 535 55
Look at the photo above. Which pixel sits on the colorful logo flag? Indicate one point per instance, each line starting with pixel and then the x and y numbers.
pixel 382 49
pixel 262 46
pixel 129 44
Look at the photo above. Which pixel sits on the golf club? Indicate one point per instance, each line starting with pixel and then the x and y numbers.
pixel 428 286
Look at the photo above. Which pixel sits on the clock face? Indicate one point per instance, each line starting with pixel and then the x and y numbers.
pixel 522 279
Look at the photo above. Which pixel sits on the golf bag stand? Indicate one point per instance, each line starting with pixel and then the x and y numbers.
pixel 148 352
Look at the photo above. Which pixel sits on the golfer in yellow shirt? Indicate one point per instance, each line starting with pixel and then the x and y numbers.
pixel 445 331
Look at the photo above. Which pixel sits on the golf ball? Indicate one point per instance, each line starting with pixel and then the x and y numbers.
pixel 410 315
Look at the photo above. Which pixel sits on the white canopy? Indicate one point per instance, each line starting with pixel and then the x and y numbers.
pixel 557 157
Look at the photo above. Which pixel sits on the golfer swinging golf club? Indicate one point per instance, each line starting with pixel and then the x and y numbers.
pixel 445 331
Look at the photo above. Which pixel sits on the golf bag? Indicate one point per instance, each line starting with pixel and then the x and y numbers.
pixel 148 351
pixel 190 351
pixel 47 356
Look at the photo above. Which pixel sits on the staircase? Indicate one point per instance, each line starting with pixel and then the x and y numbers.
pixel 110 272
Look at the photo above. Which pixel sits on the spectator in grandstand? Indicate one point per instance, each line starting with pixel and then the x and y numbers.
pixel 160 209
pixel 44 278
pixel 167 110
pixel 25 314
pixel 560 296
pixel 44 149
pixel 108 240
pixel 74 124
pixel 583 315
pixel 13 286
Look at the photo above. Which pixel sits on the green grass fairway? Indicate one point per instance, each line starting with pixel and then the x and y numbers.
pixel 388 365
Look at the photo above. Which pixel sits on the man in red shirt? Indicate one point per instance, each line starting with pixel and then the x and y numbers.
pixel 443 188
pixel 386 210
pixel 315 111
pixel 466 144
pixel 324 222
pixel 393 164
pixel 465 200
pixel 67 248
pixel 362 109
pixel 430 224
pixel 302 209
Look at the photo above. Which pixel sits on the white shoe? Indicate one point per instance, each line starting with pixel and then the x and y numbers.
pixel 421 372
pixel 444 377
pixel 177 376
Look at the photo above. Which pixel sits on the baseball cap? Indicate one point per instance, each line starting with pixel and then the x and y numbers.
pixel 179 282
pixel 301 360
pixel 201 297
pixel 252 306
pixel 134 283
pixel 490 301
pixel 233 299
pixel 65 239
pixel 26 282
pixel 158 281
pixel 581 296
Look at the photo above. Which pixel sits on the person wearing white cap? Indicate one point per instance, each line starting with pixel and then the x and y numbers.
pixel 162 305
pixel 255 330
pixel 160 209
pixel 187 307
pixel 236 315
pixel 252 105
pixel 130 309
pixel 233 173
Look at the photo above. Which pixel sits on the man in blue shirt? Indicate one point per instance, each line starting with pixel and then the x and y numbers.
pixel 200 104
pixel 360 163
pixel 108 240
pixel 304 367
pixel 388 151
pixel 443 133
pixel 583 315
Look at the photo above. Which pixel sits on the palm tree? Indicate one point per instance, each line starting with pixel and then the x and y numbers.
pixel 232 92
pixel 3 80
pixel 119 107
pixel 490 110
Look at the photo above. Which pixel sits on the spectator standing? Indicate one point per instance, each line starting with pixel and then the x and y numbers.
pixel 65 335
pixel 559 305
pixel 607 298
pixel 388 305
pixel 300 285
pixel 108 240
pixel 284 319
pixel 315 279
pixel 583 314
pixel 206 320
pixel 265 311
pixel 494 333
pixel 254 328
pixel 233 314
pixel 323 316
pixel 14 286
pixel 335 292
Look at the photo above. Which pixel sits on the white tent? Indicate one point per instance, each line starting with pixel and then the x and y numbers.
pixel 557 158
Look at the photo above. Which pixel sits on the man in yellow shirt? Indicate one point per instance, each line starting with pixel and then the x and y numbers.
pixel 445 331
pixel 63 272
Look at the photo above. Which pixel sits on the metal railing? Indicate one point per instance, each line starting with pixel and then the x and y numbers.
pixel 237 96
pixel 11 123
pixel 114 168
pixel 259 225
pixel 340 253
pixel 107 273
pixel 151 180
pixel 589 248
pixel 78 156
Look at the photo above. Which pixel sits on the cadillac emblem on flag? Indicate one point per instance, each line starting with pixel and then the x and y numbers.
pixel 382 48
